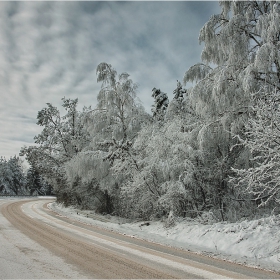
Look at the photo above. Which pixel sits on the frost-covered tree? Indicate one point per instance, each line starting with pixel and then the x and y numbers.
pixel 240 56
pixel 259 179
pixel 12 178
pixel 180 106
pixel 160 105
pixel 167 176
pixel 5 177
pixel 62 137
pixel 36 184
pixel 113 126
pixel 118 115
pixel 242 45
pixel 179 92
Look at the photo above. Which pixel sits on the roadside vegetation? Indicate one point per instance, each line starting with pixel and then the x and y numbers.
pixel 15 180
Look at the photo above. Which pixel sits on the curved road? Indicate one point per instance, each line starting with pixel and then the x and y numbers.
pixel 90 252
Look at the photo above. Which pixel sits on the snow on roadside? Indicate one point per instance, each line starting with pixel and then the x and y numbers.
pixel 254 243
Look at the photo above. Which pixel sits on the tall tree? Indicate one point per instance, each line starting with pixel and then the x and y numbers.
pixel 117 99
pixel 258 180
pixel 242 47
pixel 113 126
pixel 62 137
pixel 259 177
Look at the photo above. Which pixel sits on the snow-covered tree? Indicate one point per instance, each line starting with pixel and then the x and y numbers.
pixel 180 106
pixel 5 176
pixel 259 177
pixel 36 184
pixel 240 56
pixel 167 177
pixel 62 137
pixel 242 45
pixel 160 105
pixel 113 126
pixel 12 178
pixel 179 92
pixel 259 180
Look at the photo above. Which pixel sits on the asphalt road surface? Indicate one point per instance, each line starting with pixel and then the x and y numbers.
pixel 38 243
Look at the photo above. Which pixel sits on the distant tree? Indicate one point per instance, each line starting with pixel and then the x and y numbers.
pixel 179 92
pixel 12 178
pixel 179 106
pixel 4 182
pixel 160 104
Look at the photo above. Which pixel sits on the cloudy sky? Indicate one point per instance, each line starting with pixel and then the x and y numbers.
pixel 49 50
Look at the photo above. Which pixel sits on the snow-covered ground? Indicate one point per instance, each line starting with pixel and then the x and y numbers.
pixel 254 243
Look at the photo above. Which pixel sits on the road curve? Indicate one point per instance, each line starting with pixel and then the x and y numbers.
pixel 100 253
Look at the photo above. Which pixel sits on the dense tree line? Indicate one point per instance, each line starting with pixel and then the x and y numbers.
pixel 14 181
pixel 214 148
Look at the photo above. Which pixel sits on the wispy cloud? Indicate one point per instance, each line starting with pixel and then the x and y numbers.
pixel 49 50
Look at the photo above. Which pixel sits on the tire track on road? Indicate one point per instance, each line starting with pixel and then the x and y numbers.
pixel 91 260
pixel 95 251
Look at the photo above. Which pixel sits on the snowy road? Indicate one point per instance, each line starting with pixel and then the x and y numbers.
pixel 37 243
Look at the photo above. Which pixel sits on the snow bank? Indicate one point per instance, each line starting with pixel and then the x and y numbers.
pixel 253 243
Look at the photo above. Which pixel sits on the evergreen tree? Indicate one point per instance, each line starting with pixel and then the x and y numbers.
pixel 12 178
pixel 35 183
pixel 179 92
pixel 179 106
pixel 160 105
